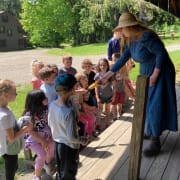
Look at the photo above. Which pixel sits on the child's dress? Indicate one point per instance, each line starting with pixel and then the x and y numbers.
pixel 41 127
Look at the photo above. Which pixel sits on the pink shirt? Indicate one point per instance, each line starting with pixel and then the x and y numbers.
pixel 36 83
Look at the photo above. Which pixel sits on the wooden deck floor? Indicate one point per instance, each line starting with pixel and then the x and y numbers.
pixel 107 157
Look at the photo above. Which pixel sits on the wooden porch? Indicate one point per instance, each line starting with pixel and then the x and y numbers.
pixel 108 157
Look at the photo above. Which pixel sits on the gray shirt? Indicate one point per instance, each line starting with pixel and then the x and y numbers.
pixel 63 123
pixel 7 120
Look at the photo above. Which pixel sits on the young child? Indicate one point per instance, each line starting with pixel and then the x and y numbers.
pixel 9 131
pixel 87 66
pixel 39 140
pixel 67 66
pixel 119 98
pixel 35 67
pixel 104 93
pixel 88 105
pixel 48 75
pixel 62 120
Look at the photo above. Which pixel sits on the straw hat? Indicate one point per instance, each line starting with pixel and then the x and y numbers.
pixel 125 20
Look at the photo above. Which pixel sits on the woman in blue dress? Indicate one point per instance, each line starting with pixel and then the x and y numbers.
pixel 145 47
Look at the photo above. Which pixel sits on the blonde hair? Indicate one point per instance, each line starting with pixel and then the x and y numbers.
pixel 6 86
pixel 85 62
pixel 79 75
pixel 36 66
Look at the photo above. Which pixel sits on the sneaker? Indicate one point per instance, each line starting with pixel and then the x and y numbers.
pixel 36 177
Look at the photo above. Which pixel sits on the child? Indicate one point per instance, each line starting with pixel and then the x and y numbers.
pixel 88 105
pixel 130 87
pixel 85 116
pixel 9 133
pixel 119 98
pixel 39 140
pixel 67 66
pixel 35 67
pixel 87 66
pixel 62 120
pixel 48 75
pixel 104 93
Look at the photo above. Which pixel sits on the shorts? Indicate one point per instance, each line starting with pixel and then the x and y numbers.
pixel 119 98
pixel 105 100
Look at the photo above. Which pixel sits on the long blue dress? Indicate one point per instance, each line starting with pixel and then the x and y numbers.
pixel 161 110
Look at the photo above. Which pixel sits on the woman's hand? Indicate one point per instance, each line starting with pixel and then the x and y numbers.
pixel 105 77
pixel 153 77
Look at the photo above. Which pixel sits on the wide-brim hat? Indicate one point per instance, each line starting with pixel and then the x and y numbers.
pixel 125 20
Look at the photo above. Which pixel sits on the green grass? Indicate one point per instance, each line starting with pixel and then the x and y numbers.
pixel 90 49
pixel 175 57
pixel 99 48
pixel 18 106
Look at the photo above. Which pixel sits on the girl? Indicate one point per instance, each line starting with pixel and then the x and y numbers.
pixel 104 93
pixel 119 98
pixel 86 110
pixel 35 67
pixel 87 66
pixel 39 139
pixel 8 129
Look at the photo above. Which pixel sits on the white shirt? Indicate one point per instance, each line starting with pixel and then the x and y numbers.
pixel 7 120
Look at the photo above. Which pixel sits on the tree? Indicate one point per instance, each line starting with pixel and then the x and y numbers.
pixel 48 22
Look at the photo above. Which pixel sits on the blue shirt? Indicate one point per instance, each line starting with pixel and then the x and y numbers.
pixel 113 47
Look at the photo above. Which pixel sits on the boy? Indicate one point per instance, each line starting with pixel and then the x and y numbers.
pixel 62 120
pixel 48 75
pixel 67 66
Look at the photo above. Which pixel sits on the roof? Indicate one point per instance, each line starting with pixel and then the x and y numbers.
pixel 172 6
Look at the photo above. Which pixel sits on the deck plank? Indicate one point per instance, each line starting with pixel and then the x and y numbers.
pixel 103 169
pixel 102 151
pixel 159 165
pixel 172 170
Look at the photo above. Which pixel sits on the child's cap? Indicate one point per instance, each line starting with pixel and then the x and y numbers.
pixel 65 82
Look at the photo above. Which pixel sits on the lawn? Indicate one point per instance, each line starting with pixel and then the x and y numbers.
pixel 100 48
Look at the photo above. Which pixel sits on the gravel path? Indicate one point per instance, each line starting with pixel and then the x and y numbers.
pixel 16 65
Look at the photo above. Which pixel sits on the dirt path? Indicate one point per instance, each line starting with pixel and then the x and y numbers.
pixel 16 65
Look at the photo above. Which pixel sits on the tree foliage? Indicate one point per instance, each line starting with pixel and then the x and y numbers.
pixel 47 22
pixel 50 22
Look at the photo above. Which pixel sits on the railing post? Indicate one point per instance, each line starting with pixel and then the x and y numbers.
pixel 138 127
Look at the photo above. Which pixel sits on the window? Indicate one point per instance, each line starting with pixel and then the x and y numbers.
pixel 9 32
pixel 2 43
pixel 19 30
pixel 4 18
pixel 2 29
